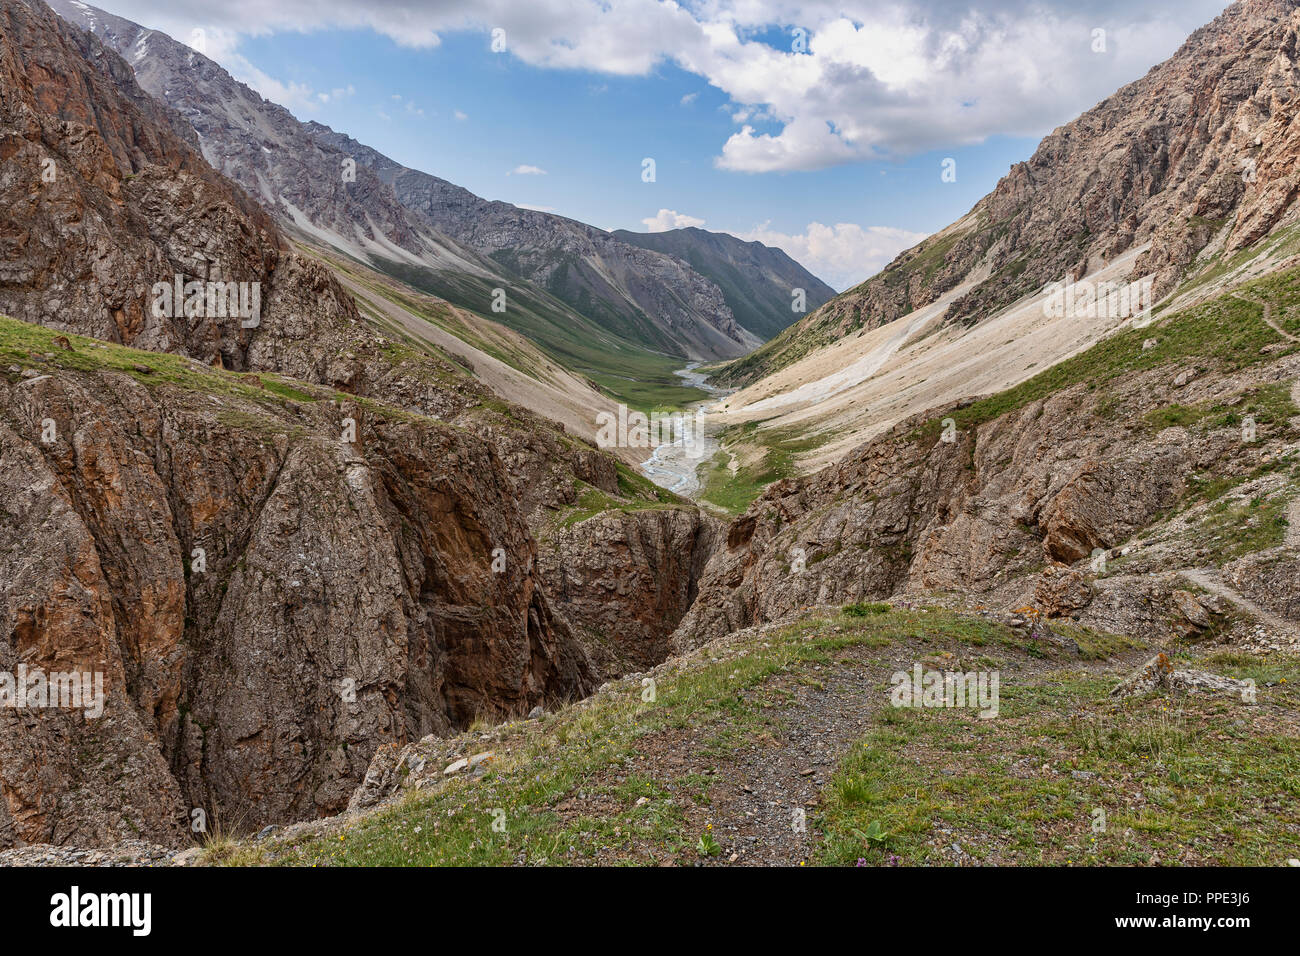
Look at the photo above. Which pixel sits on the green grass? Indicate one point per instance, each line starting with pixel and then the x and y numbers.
pixel 630 372
pixel 777 451
pixel 1196 780
pixel 592 501
pixel 1266 404
pixel 1234 528
pixel 1095 645
pixel 28 346
pixel 632 362
pixel 585 749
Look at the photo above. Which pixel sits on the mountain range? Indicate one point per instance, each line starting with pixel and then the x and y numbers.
pixel 344 548
pixel 568 284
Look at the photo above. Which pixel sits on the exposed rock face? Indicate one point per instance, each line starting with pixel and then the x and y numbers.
pixel 627 579
pixel 104 195
pixel 1203 147
pixel 1159 676
pixel 1061 590
pixel 405 216
pixel 258 688
pixel 1046 483
pixel 328 564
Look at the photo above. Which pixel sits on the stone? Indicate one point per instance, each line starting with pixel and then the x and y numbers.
pixel 1159 674
pixel 1062 590
pixel 1191 609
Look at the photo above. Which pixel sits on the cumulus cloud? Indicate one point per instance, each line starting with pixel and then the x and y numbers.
pixel 666 219
pixel 526 170
pixel 864 78
pixel 841 255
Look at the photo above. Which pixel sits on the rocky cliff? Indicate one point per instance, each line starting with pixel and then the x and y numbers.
pixel 274 575
pixel 168 524
pixel 1198 153
pixel 1176 443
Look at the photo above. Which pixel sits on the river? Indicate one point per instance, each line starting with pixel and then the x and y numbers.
pixel 673 465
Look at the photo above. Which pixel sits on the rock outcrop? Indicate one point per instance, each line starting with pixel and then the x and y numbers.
pixel 104 195
pixel 268 601
pixel 626 578
pixel 1020 501
pixel 356 590
pixel 1200 150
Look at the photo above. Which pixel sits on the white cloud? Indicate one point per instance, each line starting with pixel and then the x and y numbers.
pixel 526 170
pixel 688 99
pixel 666 219
pixel 876 76
pixel 841 255
pixel 460 116
pixel 336 94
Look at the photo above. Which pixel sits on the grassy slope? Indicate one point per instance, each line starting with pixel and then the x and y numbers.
pixel 21 343
pixel 1192 780
pixel 630 372
pixel 1207 780
pixel 771 454
pixel 1224 333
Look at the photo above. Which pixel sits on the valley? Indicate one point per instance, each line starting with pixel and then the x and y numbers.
pixel 377 569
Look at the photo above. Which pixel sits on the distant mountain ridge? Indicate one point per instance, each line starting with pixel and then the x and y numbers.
pixel 648 297
pixel 563 274
pixel 758 282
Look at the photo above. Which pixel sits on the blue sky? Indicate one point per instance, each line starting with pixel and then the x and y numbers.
pixel 829 143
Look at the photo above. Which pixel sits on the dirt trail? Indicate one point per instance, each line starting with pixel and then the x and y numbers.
pixel 756 799
pixel 1268 316
pixel 1210 580
pixel 748 795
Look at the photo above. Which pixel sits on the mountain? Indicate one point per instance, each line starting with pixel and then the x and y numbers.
pixel 957 424
pixel 1195 157
pixel 641 295
pixel 757 281
pixel 575 289
pixel 286 539
pixel 328 573
pixel 1177 187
